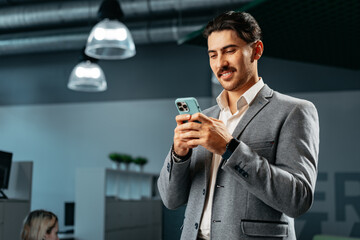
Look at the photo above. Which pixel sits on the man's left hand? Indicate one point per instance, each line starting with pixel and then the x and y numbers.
pixel 211 133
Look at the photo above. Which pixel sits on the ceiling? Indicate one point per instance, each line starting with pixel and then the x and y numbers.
pixel 47 26
pixel 40 41
pixel 323 32
pixel 314 31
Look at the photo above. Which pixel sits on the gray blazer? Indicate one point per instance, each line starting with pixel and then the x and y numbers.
pixel 268 180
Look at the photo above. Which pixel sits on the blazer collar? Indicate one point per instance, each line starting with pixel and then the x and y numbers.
pixel 259 102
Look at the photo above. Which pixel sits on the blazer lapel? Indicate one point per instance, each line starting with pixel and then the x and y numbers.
pixel 259 102
pixel 213 112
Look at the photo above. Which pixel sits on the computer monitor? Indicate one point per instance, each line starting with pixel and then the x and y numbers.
pixel 69 213
pixel 5 167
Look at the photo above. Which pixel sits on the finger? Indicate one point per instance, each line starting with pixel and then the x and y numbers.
pixel 215 119
pixel 185 135
pixel 190 135
pixel 200 117
pixel 187 145
pixel 189 126
pixel 192 143
pixel 180 119
pixel 192 146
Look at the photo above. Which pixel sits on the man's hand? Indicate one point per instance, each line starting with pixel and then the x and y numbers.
pixel 211 133
pixel 181 147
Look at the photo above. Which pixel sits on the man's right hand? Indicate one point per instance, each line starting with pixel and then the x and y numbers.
pixel 181 147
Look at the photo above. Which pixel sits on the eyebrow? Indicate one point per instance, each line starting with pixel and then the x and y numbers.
pixel 223 48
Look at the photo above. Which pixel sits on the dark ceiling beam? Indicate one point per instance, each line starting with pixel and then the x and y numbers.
pixel 62 13
pixel 64 25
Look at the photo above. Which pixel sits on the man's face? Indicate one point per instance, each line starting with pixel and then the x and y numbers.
pixel 232 60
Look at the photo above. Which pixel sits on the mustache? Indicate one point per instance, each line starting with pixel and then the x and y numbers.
pixel 225 69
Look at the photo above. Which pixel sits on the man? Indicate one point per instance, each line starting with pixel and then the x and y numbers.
pixel 247 166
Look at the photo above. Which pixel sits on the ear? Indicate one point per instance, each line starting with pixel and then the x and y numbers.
pixel 259 49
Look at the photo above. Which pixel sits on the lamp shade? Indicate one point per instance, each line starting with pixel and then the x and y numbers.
pixel 88 77
pixel 110 39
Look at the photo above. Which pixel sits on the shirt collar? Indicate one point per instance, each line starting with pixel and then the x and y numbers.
pixel 248 96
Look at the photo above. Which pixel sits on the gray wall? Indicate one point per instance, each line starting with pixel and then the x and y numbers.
pixel 63 137
pixel 157 71
pixel 61 130
pixel 336 209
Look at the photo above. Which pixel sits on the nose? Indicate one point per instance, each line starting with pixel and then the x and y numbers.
pixel 222 62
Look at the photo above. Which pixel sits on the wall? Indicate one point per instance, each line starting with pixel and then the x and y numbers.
pixel 336 210
pixel 156 71
pixel 62 137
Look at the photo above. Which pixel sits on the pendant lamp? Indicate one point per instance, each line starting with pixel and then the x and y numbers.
pixel 110 39
pixel 87 76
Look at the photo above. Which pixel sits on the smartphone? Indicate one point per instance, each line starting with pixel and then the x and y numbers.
pixel 187 105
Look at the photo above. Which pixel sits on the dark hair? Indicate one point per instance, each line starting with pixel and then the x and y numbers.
pixel 242 23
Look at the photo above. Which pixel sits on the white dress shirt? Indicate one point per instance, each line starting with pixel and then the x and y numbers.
pixel 230 121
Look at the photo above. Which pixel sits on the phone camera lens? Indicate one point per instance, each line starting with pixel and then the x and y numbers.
pixel 179 104
pixel 181 109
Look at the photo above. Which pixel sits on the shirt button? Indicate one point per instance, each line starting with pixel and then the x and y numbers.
pixel 196 225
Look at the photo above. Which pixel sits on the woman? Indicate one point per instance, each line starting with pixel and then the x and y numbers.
pixel 40 225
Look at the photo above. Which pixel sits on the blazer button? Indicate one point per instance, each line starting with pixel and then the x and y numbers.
pixel 204 191
pixel 245 174
pixel 237 167
pixel 196 225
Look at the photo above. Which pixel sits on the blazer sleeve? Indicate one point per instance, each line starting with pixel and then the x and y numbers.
pixel 287 184
pixel 174 182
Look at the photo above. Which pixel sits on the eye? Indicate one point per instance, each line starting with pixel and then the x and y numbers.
pixel 212 56
pixel 230 51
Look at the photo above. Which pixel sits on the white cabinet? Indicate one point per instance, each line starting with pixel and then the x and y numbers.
pixel 114 204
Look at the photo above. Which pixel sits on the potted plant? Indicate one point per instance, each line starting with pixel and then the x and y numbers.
pixel 116 158
pixel 127 159
pixel 141 161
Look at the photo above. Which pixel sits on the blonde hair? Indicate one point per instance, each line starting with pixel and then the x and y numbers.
pixel 37 224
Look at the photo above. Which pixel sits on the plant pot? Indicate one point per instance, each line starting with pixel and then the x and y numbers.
pixel 116 165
